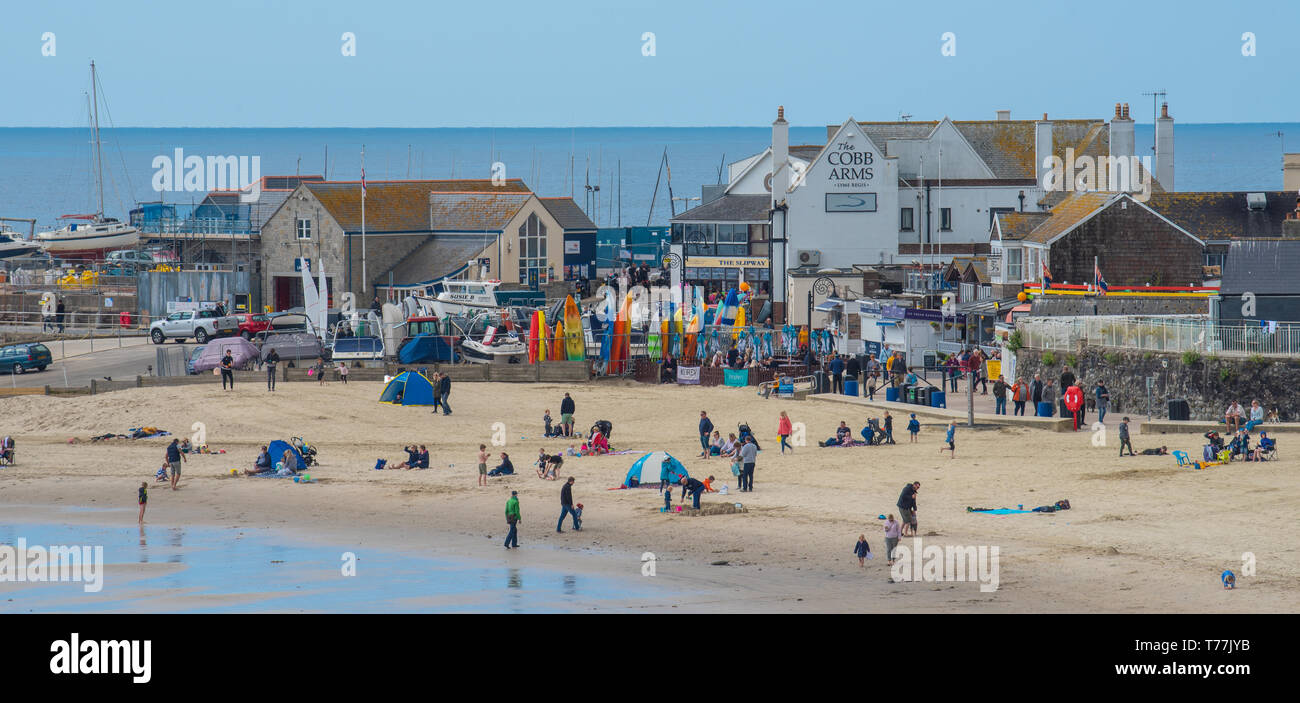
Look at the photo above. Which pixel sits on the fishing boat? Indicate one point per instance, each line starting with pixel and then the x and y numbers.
pixel 490 339
pixel 12 244
pixel 466 298
pixel 98 234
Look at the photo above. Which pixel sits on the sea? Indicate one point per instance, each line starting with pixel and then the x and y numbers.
pixel 619 175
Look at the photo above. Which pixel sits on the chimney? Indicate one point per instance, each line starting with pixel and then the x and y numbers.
pixel 1122 140
pixel 1165 148
pixel 1004 115
pixel 1042 147
pixel 780 157
pixel 1291 172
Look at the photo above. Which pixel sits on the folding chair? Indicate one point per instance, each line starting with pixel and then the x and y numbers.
pixel 1182 458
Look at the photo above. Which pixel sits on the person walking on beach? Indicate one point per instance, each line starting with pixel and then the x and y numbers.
pixel 482 464
pixel 862 550
pixel 951 440
pixel 1124 440
pixel 144 499
pixel 567 408
pixel 566 506
pixel 444 392
pixel 174 459
pixel 783 430
pixel 907 508
pixel 748 456
pixel 271 360
pixel 227 371
pixel 513 520
pixel 706 428
pixel 892 530
pixel 913 427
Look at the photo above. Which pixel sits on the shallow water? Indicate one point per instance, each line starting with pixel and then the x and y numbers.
pixel 222 570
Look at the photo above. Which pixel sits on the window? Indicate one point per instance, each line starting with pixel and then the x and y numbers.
pixel 945 219
pixel 1013 269
pixel 1215 259
pixel 1031 264
pixel 304 228
pixel 678 233
pixel 532 249
pixel 905 219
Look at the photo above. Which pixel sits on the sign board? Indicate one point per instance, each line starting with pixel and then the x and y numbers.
pixel 850 167
pixel 923 314
pixel 850 202
pixel 108 302
pixel 735 377
pixel 785 387
pixel 181 306
pixel 572 246
pixel 689 375
pixel 734 262
pixel 873 349
pixel 299 263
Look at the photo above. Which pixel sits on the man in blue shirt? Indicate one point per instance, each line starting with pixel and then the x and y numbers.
pixel 706 429
pixel 174 459
pixel 837 374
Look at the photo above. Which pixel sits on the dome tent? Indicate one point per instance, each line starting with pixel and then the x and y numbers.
pixel 646 469
pixel 408 388
pixel 277 449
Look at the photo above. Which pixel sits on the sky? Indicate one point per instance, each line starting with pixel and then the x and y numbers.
pixel 574 63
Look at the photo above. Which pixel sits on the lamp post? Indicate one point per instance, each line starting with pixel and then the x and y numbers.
pixel 823 285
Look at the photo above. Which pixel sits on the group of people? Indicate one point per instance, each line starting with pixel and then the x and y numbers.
pixel 565 427
pixel 742 450
pixel 1239 447
pixel 568 508
pixel 1236 418
pixel 287 464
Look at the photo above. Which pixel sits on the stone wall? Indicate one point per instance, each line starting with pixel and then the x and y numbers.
pixel 1208 384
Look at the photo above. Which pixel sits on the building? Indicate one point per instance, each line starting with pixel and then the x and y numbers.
pixel 909 192
pixel 1259 282
pixel 579 237
pixel 415 234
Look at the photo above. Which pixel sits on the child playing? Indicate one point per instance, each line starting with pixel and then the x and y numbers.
pixel 863 550
pixel 144 499
pixel 577 516
pixel 548 432
pixel 735 466
pixel 482 464
pixel 664 467
pixel 319 370
pixel 913 427
pixel 951 440
pixel 571 451
pixel 162 474
pixel 343 372
pixel 889 428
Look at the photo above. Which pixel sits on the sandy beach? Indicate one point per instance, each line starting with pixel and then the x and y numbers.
pixel 1143 535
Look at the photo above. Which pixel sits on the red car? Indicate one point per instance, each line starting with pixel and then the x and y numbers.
pixel 251 324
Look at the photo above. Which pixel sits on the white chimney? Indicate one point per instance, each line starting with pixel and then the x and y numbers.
pixel 1042 147
pixel 780 157
pixel 1165 148
pixel 1122 140
pixel 1004 115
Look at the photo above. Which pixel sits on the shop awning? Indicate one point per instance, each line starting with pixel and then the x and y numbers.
pixel 829 305
pixel 987 306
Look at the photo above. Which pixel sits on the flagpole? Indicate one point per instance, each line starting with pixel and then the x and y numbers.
pixel 363 218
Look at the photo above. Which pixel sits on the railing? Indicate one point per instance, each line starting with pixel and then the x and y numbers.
pixel 1173 335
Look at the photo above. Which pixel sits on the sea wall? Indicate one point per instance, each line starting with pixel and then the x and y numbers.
pixel 1208 384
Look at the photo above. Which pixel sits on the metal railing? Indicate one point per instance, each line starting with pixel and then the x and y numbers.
pixel 1175 335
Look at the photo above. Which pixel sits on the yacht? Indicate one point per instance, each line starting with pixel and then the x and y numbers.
pixel 12 244
pixel 466 298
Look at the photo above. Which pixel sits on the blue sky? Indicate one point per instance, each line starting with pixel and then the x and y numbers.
pixel 505 63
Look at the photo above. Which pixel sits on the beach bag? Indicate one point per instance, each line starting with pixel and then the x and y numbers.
pixel 380 463
pixel 1207 452
pixel 735 469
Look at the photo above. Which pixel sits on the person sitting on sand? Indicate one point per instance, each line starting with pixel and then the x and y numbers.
pixel 571 451
pixel 843 435
pixel 423 461
pixel 715 444
pixel 262 465
pixel 1155 452
pixel 728 448
pixel 412 458
pixel 1266 444
pixel 599 445
pixel 505 468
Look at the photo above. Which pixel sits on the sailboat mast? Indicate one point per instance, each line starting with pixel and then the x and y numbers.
pixel 99 156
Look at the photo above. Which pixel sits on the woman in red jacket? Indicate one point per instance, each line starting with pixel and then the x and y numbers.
pixel 783 429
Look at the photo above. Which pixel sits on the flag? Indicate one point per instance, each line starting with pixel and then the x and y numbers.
pixel 363 181
pixel 1047 276
pixel 1101 282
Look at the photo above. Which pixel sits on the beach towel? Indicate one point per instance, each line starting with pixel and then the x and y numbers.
pixel 997 511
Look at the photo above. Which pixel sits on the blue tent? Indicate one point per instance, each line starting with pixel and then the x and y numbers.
pixel 413 388
pixel 650 464
pixel 276 450
pixel 426 348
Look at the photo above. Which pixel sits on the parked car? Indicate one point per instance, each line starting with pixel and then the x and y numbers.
pixel 129 256
pixel 202 325
pixel 18 358
pixel 194 356
pixel 250 324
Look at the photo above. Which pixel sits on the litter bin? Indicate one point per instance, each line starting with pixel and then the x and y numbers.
pixel 821 382
pixel 851 387
pixel 1179 409
pixel 891 394
pixel 1045 410
pixel 938 399
pixel 923 395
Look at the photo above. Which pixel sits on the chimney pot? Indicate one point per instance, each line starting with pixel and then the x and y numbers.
pixel 1044 116
pixel 1126 111
pixel 1117 111
pixel 1164 109
pixel 780 112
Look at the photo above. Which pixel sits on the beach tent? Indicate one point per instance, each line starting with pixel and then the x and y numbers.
pixel 241 350
pixel 414 388
pixel 276 450
pixel 426 348
pixel 650 464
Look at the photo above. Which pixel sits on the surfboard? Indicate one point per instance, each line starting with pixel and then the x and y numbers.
pixel 573 331
pixel 534 336
pixel 557 342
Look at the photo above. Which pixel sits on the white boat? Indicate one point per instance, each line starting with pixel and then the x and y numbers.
pixel 88 240
pixel 493 345
pixel 100 234
pixel 466 298
pixel 12 244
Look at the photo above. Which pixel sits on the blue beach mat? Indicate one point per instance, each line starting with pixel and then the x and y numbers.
pixel 1001 511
